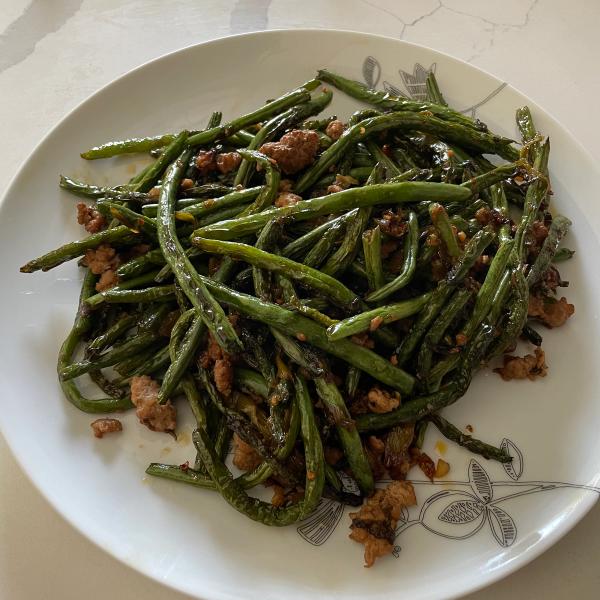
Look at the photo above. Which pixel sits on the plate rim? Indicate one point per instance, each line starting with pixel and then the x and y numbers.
pixel 587 501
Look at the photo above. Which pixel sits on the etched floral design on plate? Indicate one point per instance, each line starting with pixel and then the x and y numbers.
pixel 457 512
pixel 415 83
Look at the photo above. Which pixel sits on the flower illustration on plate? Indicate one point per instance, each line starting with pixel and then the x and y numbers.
pixel 415 84
pixel 468 511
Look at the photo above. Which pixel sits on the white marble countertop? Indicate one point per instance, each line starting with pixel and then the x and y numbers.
pixel 54 53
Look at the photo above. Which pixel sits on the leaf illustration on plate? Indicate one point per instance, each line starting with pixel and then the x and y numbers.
pixel 416 82
pixel 480 482
pixel 462 511
pixel 514 469
pixel 393 90
pixel 317 528
pixel 453 514
pixel 502 526
pixel 403 515
pixel 371 71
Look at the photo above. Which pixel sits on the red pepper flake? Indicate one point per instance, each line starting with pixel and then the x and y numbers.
pixel 469 428
pixel 185 466
pixel 301 336
pixel 461 339
pixel 311 475
pixel 375 323
pixel 394 359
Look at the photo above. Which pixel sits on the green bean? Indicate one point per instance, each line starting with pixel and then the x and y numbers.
pixel 312 313
pixel 140 264
pixel 430 311
pixel 307 276
pixel 469 442
pixel 398 193
pixel 433 91
pixel 558 229
pixel 73 250
pixel 130 366
pixel 159 293
pixel 421 406
pixel 360 173
pixel 80 188
pixel 536 194
pixel 112 357
pixel 128 146
pixel 473 250
pixel 391 168
pixel 171 152
pixel 155 362
pixel 489 178
pixel 377 317
pixel 529 134
pixel 307 241
pixel 207 207
pixel 302 355
pixel 129 284
pixel 467 137
pixel 188 278
pixel 268 110
pixel 153 316
pixel 251 382
pixel 448 314
pixel 341 259
pixel 420 431
pixel 500 204
pixel 320 251
pixel 137 222
pixel 270 190
pixel 517 317
pixel 313 449
pixel 248 431
pixel 299 326
pixel 194 203
pixel 350 439
pixel 387 101
pixel 525 124
pixel 81 326
pixel 277 124
pixel 483 304
pixel 411 248
pixel 352 380
pixel 261 277
pixel 181 355
pixel 371 242
pixel 440 220
pixel 111 335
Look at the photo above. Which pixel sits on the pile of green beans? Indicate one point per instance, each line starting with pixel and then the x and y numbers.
pixel 401 284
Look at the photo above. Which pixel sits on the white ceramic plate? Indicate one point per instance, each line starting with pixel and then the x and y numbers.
pixel 465 533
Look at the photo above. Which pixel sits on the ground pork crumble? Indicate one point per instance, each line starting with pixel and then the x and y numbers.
pixel 375 523
pixel 287 199
pixel 382 401
pixel 155 416
pixel 335 129
pixel 245 457
pixel 294 151
pixel 103 261
pixel 105 425
pixel 221 364
pixel 530 366
pixel 90 218
pixel 551 312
